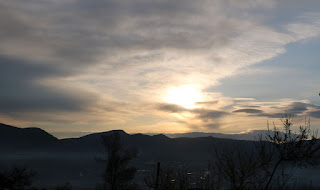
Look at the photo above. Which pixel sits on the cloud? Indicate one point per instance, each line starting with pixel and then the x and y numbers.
pixel 206 115
pixel 208 103
pixel 298 107
pixel 315 114
pixel 21 90
pixel 248 111
pixel 279 109
pixel 111 56
pixel 201 118
pixel 172 108
pixel 271 115
pixel 308 26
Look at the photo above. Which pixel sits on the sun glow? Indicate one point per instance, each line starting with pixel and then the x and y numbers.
pixel 185 95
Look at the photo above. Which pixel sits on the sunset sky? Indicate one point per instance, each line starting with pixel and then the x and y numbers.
pixel 73 67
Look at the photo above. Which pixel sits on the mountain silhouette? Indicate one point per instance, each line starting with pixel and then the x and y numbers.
pixel 14 138
pixel 74 159
pixel 156 147
pixel 249 136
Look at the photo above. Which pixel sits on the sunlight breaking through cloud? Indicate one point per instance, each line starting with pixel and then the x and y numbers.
pixel 111 62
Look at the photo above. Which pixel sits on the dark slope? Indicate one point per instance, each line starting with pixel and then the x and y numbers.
pixel 157 147
pixel 88 143
pixel 74 160
pixel 17 139
pixel 248 136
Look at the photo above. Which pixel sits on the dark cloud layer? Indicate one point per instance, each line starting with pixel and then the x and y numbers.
pixel 202 113
pixel 208 117
pixel 298 107
pixel 172 108
pixel 294 109
pixel 208 103
pixel 248 111
pixel 22 91
pixel 315 114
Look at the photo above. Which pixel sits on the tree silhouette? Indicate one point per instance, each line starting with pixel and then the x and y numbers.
pixel 237 167
pixel 16 179
pixel 118 173
pixel 263 166
pixel 301 149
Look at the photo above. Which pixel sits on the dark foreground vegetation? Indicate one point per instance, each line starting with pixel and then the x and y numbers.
pixel 268 163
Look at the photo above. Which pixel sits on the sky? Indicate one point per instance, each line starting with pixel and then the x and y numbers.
pixel 73 67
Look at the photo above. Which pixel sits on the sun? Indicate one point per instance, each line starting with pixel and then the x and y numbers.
pixel 185 95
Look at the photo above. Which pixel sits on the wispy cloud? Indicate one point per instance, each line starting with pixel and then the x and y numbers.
pixel 101 61
pixel 248 111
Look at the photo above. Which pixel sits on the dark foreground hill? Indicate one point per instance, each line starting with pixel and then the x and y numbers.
pixel 156 147
pixel 73 160
pixel 14 138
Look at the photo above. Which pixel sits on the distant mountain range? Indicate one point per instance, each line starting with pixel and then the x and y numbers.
pixel 155 147
pixel 250 136
pixel 150 145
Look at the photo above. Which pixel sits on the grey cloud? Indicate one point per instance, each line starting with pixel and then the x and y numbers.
pixel 271 115
pixel 208 102
pixel 21 90
pixel 249 106
pixel 298 107
pixel 13 69
pixel 314 106
pixel 59 38
pixel 172 108
pixel 209 117
pixel 12 26
pixel 212 125
pixel 301 108
pixel 315 114
pixel 248 111
pixel 294 109
pixel 33 98
pixel 76 35
pixel 207 125
pixel 81 31
pixel 207 114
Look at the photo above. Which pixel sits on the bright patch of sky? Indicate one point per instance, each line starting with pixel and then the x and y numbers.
pixel 292 75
